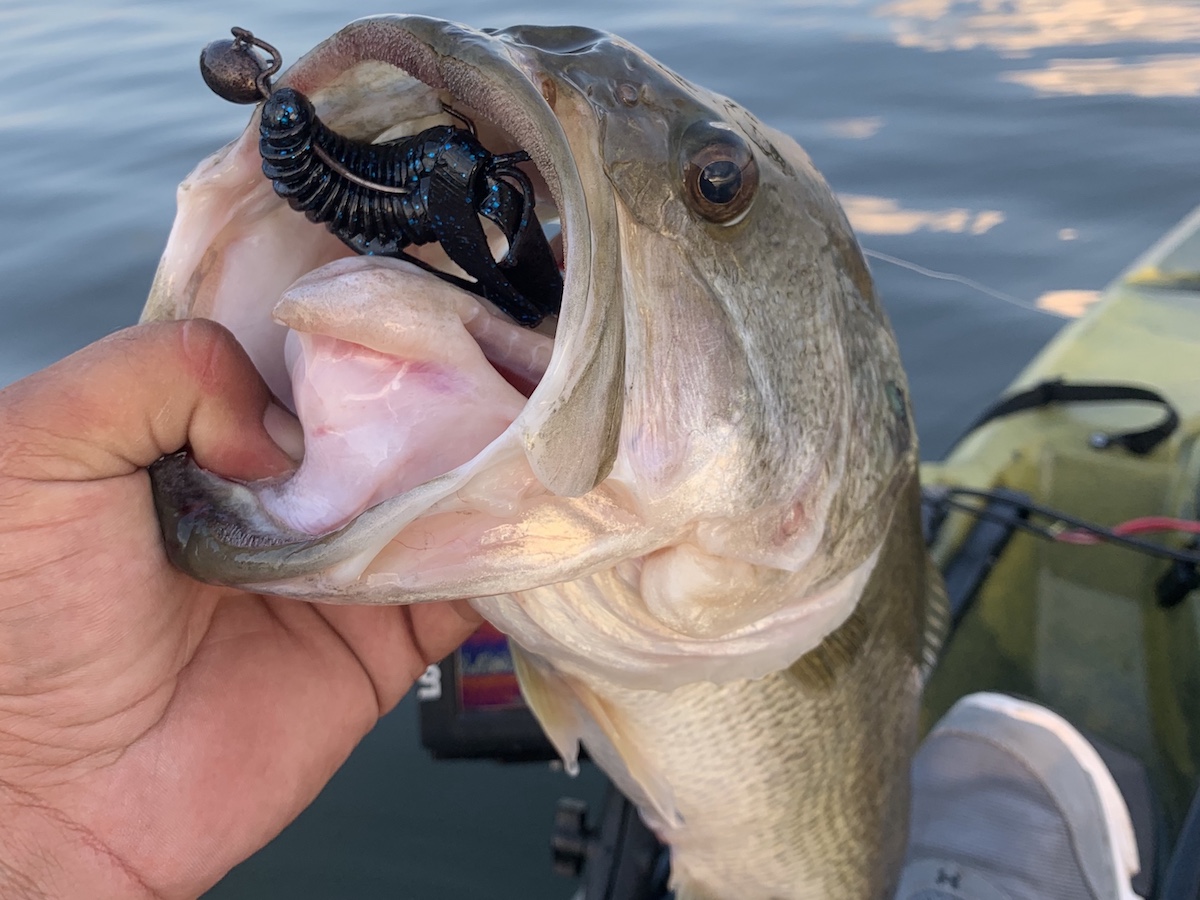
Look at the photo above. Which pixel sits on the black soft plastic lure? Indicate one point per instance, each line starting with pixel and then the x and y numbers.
pixel 381 198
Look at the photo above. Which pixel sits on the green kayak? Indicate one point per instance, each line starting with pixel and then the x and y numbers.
pixel 1106 635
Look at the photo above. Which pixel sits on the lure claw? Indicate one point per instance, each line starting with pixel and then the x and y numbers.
pixel 381 198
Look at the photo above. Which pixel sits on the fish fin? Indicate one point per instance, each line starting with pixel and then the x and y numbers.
pixel 551 701
pixel 937 619
pixel 653 795
pixel 569 712
pixel 819 668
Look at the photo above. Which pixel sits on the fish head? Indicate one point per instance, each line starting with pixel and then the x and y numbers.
pixel 718 405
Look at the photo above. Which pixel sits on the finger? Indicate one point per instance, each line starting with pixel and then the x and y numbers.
pixel 119 404
pixel 395 644
pixel 439 628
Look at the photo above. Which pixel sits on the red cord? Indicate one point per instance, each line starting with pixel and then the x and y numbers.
pixel 1144 525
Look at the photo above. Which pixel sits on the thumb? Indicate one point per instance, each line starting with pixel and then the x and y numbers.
pixel 119 404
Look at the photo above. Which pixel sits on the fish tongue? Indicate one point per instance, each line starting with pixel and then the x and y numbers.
pixel 390 388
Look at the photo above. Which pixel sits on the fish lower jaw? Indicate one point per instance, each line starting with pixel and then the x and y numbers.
pixel 390 386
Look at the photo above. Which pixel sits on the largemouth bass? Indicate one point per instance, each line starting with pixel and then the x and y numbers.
pixel 690 499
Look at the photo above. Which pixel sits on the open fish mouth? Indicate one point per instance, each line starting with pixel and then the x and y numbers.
pixel 415 398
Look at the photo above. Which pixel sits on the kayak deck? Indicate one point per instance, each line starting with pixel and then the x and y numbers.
pixel 1079 628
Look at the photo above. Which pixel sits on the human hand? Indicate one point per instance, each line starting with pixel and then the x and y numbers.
pixel 155 731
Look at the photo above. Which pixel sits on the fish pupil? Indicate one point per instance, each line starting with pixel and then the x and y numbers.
pixel 720 181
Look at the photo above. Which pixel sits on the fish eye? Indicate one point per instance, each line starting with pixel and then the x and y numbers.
pixel 720 176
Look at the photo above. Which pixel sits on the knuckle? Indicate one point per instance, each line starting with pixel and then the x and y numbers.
pixel 209 350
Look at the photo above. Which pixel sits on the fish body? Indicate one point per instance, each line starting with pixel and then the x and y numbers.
pixel 690 500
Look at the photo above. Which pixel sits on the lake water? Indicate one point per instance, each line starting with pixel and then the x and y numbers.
pixel 1028 148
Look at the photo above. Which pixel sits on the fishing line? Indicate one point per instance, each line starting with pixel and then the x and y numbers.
pixel 963 280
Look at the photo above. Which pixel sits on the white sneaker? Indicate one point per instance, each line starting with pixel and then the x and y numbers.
pixel 1010 802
